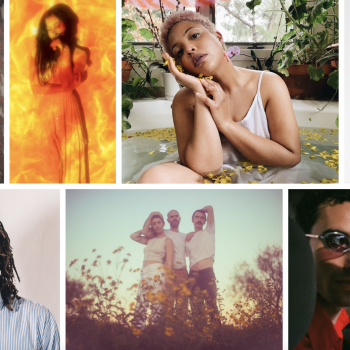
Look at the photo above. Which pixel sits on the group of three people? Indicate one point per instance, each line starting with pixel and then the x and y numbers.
pixel 169 247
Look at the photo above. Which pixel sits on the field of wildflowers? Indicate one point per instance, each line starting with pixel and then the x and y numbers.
pixel 98 317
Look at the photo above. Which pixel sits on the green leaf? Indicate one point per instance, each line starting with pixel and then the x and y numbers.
pixel 337 121
pixel 327 4
pixel 324 38
pixel 298 12
pixel 129 23
pixel 284 71
pixel 126 45
pixel 145 33
pixel 127 103
pixel 154 81
pixel 285 61
pixel 316 11
pixel 299 2
pixel 125 124
pixel 251 4
pixel 333 80
pixel 137 81
pixel 289 35
pixel 315 74
pixel 148 52
pixel 128 37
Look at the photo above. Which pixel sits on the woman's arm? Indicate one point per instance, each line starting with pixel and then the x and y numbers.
pixel 137 236
pixel 283 149
pixel 197 136
pixel 48 88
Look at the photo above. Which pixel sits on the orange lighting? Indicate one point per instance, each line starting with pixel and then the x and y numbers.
pixel 33 161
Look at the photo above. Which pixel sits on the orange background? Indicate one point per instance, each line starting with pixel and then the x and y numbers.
pixel 96 30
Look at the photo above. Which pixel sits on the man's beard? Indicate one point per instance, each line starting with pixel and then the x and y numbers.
pixel 174 224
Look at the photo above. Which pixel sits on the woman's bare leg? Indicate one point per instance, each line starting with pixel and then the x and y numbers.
pixel 170 173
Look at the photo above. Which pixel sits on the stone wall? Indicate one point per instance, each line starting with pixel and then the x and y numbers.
pixel 2 93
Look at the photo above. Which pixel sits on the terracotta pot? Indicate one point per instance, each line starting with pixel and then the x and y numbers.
pixel 126 71
pixel 300 85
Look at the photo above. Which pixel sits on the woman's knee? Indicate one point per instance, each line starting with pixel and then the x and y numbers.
pixel 169 173
pixel 156 174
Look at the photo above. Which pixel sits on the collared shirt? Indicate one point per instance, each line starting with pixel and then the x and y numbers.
pixel 322 334
pixel 30 326
pixel 179 240
pixel 202 245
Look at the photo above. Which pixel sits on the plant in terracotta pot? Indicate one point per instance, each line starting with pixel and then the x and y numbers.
pixel 308 47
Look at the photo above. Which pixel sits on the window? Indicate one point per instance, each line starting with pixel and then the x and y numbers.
pixel 237 23
pixel 233 19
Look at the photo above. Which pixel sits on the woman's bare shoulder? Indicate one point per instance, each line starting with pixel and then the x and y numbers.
pixel 273 86
pixel 183 100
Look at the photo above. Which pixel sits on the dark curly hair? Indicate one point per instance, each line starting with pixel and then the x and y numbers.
pixel 45 56
pixel 308 208
pixel 7 270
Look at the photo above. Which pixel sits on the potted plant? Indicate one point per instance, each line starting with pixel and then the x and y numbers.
pixel 171 86
pixel 306 53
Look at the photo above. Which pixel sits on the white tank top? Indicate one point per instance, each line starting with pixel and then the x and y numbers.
pixel 255 121
pixel 155 249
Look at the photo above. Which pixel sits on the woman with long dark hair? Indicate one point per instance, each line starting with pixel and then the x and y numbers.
pixel 57 68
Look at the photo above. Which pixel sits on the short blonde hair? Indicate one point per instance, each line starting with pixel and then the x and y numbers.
pixel 182 16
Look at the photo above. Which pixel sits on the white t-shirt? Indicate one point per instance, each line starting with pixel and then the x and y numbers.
pixel 178 239
pixel 202 245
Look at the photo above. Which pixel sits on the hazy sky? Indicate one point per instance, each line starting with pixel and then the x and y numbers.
pixel 245 221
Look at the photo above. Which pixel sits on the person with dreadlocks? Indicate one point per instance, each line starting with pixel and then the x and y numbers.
pixel 57 68
pixel 24 325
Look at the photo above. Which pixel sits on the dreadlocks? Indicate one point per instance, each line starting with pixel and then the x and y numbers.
pixel 7 270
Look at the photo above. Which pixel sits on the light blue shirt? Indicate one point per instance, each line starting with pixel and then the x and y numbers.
pixel 30 326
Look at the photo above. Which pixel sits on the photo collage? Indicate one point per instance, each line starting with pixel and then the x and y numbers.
pixel 191 198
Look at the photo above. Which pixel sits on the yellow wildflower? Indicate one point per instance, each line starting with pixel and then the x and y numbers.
pixel 169 331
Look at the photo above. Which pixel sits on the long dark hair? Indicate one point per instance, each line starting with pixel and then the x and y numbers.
pixel 7 269
pixel 45 57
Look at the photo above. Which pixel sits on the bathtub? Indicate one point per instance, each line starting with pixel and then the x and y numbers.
pixel 150 114
pixel 138 153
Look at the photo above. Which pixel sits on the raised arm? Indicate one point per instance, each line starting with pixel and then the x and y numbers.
pixel 139 237
pixel 194 126
pixel 283 149
pixel 49 89
pixel 210 211
pixel 147 224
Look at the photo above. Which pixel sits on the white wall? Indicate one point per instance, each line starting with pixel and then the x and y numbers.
pixel 32 220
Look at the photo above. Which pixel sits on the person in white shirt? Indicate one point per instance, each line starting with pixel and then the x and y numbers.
pixel 179 263
pixel 159 251
pixel 200 248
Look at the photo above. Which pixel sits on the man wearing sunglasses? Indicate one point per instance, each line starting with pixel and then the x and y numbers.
pixel 324 216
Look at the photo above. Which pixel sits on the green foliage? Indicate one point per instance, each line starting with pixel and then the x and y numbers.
pixel 316 74
pixel 333 80
pixel 252 4
pixel 302 44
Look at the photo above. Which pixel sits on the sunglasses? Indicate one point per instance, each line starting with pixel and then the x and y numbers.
pixel 335 241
